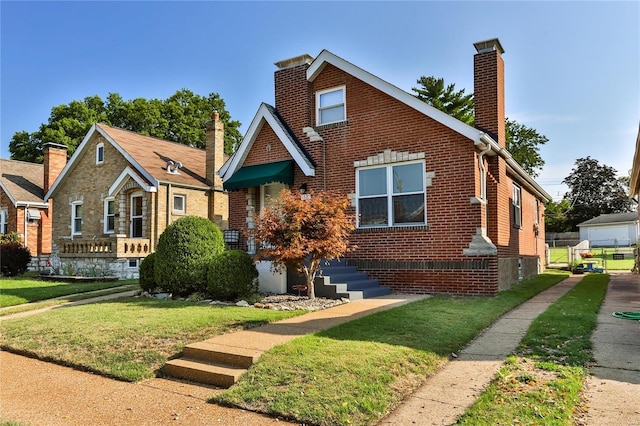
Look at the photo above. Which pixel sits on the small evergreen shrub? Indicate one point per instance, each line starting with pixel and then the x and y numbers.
pixel 232 275
pixel 147 274
pixel 14 259
pixel 11 237
pixel 185 249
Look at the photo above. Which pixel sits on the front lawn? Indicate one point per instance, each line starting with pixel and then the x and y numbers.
pixel 26 288
pixel 359 371
pixel 128 338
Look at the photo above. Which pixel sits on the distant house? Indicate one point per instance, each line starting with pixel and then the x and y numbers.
pixel 23 208
pixel 611 230
pixel 121 189
pixel 440 206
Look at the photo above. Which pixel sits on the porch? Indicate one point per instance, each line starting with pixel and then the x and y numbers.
pixel 114 246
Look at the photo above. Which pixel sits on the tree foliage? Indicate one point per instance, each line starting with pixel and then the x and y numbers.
pixel 521 141
pixel 299 234
pixel 594 189
pixel 446 99
pixel 555 216
pixel 179 118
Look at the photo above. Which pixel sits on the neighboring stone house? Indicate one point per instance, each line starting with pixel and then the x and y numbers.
pixel 121 189
pixel 441 207
pixel 22 206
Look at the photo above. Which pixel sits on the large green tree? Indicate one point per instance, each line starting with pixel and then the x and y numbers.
pixel 594 189
pixel 555 216
pixel 179 118
pixel 521 141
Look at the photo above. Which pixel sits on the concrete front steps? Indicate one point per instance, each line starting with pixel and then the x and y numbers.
pixel 211 363
pixel 339 280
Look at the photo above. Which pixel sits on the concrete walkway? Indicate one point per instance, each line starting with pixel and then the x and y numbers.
pixel 613 389
pixel 447 394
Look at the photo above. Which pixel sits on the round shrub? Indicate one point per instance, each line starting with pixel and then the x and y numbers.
pixel 14 259
pixel 232 275
pixel 184 250
pixel 147 273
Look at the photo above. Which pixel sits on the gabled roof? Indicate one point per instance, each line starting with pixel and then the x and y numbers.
pixel 613 218
pixel 148 157
pixel 23 182
pixel 268 114
pixel 480 139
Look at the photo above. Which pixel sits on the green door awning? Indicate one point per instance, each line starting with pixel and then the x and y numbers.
pixel 246 177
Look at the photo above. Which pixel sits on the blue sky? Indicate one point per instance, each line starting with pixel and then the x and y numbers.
pixel 572 69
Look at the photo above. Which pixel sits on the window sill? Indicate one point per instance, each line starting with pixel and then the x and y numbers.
pixel 393 228
pixel 332 125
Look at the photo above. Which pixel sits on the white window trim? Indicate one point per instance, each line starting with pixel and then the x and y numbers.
pixel 184 203
pixel 517 206
pixel 106 215
pixel 74 218
pixel 4 220
pixel 389 195
pixel 131 216
pixel 99 147
pixel 344 104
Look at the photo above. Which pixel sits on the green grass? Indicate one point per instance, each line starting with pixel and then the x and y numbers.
pixel 65 299
pixel 559 255
pixel 128 338
pixel 542 384
pixel 26 289
pixel 358 372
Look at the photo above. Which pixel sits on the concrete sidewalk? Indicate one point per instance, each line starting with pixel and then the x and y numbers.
pixel 614 387
pixel 447 394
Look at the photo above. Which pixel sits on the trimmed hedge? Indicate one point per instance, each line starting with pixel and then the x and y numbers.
pixel 184 251
pixel 232 275
pixel 147 273
pixel 14 259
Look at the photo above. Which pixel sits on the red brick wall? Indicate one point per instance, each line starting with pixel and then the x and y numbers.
pixel 421 259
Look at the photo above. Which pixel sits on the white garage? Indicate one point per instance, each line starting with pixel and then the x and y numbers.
pixel 611 230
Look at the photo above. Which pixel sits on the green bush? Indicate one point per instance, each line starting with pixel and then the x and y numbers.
pixel 14 259
pixel 185 249
pixel 147 274
pixel 11 237
pixel 232 275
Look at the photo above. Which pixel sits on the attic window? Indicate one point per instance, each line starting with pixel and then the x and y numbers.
pixel 331 106
pixel 100 153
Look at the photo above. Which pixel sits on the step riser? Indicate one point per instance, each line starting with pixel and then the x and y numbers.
pixel 219 357
pixel 207 377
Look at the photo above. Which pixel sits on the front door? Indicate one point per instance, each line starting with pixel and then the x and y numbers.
pixel 136 215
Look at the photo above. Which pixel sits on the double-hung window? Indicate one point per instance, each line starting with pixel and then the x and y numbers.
pixel 109 216
pixel 391 195
pixel 331 106
pixel 76 218
pixel 517 206
pixel 136 215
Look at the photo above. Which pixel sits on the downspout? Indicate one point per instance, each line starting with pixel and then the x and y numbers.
pixel 483 184
pixel 168 205
pixel 26 213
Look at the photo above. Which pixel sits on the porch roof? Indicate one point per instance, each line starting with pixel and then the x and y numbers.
pixel 248 176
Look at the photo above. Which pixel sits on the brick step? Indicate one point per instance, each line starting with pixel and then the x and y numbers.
pixel 199 371
pixel 222 354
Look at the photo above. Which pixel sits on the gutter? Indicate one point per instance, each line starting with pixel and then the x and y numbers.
pixel 486 140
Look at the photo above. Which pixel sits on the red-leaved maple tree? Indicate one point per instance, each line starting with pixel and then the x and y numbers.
pixel 299 233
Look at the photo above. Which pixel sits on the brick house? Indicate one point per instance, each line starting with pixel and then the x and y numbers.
pixel 121 189
pixel 440 206
pixel 23 208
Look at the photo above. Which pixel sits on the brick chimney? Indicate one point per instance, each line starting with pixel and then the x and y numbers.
pixel 218 199
pixel 488 89
pixel 293 94
pixel 55 158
